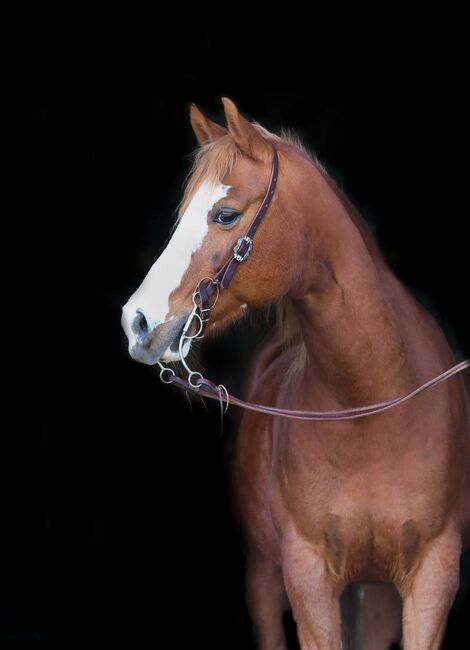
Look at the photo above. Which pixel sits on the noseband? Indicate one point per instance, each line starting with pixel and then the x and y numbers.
pixel 201 314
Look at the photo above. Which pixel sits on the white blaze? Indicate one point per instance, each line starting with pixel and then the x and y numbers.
pixel 153 295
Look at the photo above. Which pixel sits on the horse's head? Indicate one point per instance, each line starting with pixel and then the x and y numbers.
pixel 228 182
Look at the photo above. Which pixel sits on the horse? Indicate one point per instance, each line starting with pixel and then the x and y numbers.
pixel 380 501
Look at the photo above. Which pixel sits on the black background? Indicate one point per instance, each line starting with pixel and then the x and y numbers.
pixel 115 520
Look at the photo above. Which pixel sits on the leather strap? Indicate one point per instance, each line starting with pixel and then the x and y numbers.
pixel 207 388
pixel 224 276
pixel 241 250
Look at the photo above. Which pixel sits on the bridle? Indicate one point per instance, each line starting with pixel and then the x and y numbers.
pixel 207 287
pixel 201 313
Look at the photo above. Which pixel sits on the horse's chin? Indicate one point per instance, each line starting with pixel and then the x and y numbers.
pixel 148 357
pixel 151 358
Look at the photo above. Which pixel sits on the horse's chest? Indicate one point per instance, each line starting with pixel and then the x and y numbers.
pixel 360 547
pixel 366 528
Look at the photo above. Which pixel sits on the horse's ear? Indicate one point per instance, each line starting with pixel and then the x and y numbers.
pixel 204 129
pixel 245 134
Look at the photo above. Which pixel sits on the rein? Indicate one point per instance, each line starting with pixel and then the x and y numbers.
pixel 201 313
pixel 207 388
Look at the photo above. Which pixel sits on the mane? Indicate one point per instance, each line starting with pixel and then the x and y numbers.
pixel 215 160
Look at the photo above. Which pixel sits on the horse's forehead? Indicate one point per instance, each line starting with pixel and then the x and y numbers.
pixel 203 199
pixel 245 178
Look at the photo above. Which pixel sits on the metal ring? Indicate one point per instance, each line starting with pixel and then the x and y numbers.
pixel 196 290
pixel 162 371
pixel 217 286
pixel 221 388
pixel 191 375
pixel 199 331
pixel 195 293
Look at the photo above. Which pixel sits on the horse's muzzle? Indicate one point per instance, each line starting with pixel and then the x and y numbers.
pixel 152 341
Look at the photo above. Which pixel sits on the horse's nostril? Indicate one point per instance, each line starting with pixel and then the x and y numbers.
pixel 142 325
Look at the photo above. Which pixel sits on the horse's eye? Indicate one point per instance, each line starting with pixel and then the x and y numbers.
pixel 226 217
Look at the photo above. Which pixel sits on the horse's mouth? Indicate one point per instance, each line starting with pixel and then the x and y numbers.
pixel 172 353
pixel 162 343
pixel 174 345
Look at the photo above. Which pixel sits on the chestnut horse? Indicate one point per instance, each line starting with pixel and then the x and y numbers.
pixel 382 499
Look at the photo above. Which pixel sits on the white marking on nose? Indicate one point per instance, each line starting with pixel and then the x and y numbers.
pixel 153 295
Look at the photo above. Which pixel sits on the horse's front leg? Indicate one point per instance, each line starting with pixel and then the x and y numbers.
pixel 266 600
pixel 429 592
pixel 314 596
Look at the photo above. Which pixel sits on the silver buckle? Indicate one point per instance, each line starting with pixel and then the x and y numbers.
pixel 238 245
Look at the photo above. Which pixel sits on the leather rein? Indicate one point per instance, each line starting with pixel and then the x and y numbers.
pixel 201 313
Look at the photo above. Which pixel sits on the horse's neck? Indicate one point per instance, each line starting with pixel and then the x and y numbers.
pixel 353 314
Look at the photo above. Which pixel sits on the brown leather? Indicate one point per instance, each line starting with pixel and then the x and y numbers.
pixel 224 275
pixel 207 388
